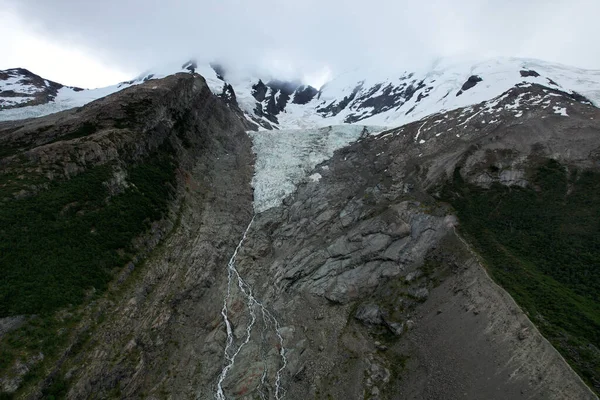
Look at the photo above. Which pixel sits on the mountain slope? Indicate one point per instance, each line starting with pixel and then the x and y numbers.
pixel 335 238
pixel 101 187
pixel 45 97
pixel 361 96
pixel 356 266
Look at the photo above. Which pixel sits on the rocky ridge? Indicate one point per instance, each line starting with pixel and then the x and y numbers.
pixel 206 138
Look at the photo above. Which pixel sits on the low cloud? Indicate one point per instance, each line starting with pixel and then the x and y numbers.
pixel 309 39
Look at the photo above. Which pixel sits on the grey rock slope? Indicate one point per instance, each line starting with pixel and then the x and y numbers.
pixel 375 294
pixel 378 295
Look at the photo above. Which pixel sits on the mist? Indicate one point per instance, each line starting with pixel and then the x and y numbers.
pixel 312 40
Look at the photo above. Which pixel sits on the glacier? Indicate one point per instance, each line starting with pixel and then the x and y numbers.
pixel 285 158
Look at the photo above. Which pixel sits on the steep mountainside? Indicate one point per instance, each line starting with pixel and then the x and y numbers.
pixel 86 196
pixel 379 294
pixel 363 96
pixel 343 261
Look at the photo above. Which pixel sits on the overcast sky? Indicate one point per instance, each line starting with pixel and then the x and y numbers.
pixel 94 43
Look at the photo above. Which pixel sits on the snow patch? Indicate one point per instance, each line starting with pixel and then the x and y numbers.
pixel 561 111
pixel 316 177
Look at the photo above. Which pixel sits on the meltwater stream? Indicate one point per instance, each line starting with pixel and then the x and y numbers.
pixel 283 159
pixel 269 321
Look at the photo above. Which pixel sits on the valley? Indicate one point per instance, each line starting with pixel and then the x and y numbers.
pixel 187 237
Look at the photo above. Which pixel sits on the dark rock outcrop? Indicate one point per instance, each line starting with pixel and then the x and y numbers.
pixel 219 70
pixel 364 102
pixel 304 94
pixel 470 83
pixel 525 73
pixel 259 91
pixel 378 100
pixel 273 97
pixel 335 107
pixel 190 66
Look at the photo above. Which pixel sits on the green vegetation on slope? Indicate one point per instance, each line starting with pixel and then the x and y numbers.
pixel 543 246
pixel 62 242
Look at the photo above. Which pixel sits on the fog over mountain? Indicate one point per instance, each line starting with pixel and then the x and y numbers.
pixel 312 40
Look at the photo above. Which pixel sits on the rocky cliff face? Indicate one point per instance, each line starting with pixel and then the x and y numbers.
pixel 357 285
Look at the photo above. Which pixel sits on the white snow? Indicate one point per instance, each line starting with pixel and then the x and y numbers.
pixel 561 111
pixel 419 130
pixel 499 75
pixel 11 101
pixel 316 177
pixel 14 83
pixel 384 136
pixel 67 98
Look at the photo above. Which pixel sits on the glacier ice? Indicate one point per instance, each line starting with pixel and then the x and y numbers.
pixel 285 158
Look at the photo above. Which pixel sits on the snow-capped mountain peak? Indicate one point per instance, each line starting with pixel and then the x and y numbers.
pixel 358 96
pixel 20 87
pixel 410 96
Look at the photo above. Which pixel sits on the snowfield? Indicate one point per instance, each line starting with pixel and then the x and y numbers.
pixel 66 99
pixel 498 76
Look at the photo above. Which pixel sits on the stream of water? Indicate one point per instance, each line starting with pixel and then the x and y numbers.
pixel 233 349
